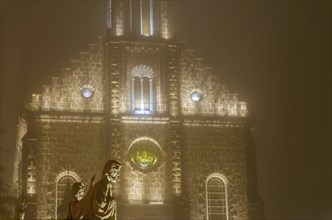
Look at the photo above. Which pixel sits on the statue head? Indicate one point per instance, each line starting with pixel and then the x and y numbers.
pixel 111 170
pixel 77 190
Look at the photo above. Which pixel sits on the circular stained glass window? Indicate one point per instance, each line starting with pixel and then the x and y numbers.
pixel 144 155
pixel 87 92
pixel 196 96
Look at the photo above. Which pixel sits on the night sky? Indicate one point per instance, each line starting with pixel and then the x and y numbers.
pixel 275 54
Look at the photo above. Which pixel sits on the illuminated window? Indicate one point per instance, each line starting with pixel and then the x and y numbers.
pixel 196 96
pixel 87 92
pixel 216 199
pixel 64 195
pixel 146 11
pixel 232 109
pixel 31 188
pixel 144 155
pixel 31 178
pixel 142 90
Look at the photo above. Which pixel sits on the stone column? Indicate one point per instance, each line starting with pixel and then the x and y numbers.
pixel 151 95
pixel 132 94
pixel 142 95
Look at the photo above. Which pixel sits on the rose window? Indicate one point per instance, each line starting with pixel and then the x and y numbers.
pixel 144 155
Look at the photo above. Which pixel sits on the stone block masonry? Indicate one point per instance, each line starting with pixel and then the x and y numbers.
pixel 76 144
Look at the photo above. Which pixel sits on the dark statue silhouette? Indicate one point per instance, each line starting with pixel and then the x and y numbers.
pixel 98 203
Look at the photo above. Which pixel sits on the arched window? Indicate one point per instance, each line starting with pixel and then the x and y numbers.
pixel 63 192
pixel 142 90
pixel 216 198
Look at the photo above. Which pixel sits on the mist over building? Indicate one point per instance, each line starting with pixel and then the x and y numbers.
pixel 140 96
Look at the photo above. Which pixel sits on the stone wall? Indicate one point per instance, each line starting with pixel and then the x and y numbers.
pixel 151 186
pixel 145 212
pixel 64 92
pixel 65 144
pixel 216 99
pixel 215 149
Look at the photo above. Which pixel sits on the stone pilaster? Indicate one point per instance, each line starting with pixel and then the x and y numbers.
pixel 166 31
pixel 114 137
pixel 114 68
pixel 173 79
pixel 119 18
pixel 114 64
pixel 173 52
pixel 29 173
pixel 175 133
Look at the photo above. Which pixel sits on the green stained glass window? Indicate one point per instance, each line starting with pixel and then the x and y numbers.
pixel 145 159
pixel 144 155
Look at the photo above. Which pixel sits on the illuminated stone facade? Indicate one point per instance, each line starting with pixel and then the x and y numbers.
pixel 182 137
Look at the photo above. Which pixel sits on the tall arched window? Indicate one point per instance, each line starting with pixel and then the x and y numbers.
pixel 142 90
pixel 216 198
pixel 64 182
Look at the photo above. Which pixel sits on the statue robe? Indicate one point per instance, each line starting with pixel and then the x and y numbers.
pixel 97 204
pixel 75 210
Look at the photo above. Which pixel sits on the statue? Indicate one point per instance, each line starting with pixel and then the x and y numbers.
pixel 99 203
pixel 75 209
pixel 103 205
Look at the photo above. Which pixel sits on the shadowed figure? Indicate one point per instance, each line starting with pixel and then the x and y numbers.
pixel 75 210
pixel 99 203
pixel 62 209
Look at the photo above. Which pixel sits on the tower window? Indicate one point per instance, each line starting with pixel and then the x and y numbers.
pixel 146 11
pixel 216 199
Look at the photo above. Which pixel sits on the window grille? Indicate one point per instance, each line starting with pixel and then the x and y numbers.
pixel 64 195
pixel 142 90
pixel 216 199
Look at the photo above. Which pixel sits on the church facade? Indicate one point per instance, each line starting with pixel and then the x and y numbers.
pixel 139 96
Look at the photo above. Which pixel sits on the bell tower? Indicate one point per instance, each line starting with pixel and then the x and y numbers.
pixel 139 18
